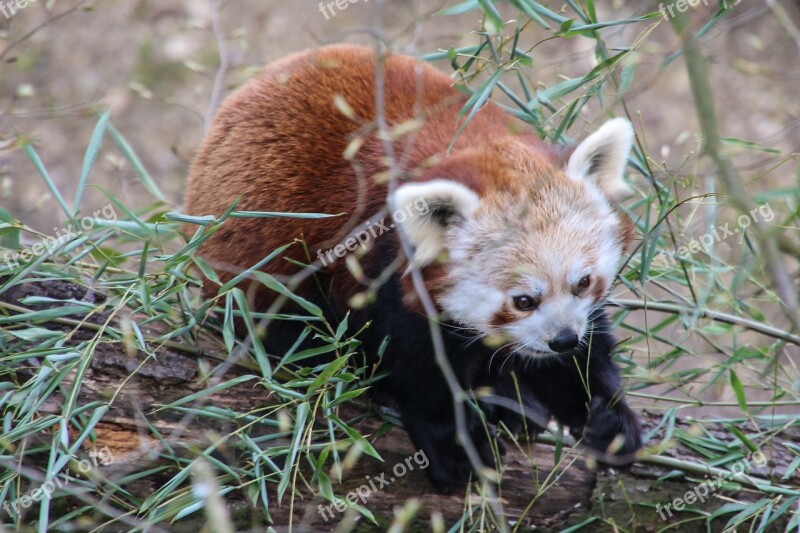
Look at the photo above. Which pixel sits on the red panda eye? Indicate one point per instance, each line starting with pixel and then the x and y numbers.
pixel 526 303
pixel 583 284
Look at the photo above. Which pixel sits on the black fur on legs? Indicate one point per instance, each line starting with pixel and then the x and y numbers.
pixel 551 386
pixel 419 390
pixel 556 386
pixel 415 385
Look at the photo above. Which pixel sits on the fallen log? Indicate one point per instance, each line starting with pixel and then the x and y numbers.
pixel 542 486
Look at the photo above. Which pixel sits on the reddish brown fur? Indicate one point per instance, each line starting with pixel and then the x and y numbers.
pixel 507 315
pixel 278 142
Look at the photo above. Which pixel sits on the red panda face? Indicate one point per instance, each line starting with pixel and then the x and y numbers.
pixel 529 263
pixel 531 269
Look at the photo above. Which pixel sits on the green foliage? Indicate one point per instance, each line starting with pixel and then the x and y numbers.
pixel 150 275
pixel 43 368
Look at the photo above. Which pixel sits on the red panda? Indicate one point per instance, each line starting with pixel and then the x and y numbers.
pixel 515 239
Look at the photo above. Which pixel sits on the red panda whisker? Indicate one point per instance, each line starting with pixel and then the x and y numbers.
pixel 491 358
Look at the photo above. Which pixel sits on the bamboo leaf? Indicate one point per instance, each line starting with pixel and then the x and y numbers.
pixel 90 157
pixel 30 151
pixel 127 151
pixel 738 390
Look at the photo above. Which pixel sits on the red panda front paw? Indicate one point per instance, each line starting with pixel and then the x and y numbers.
pixel 612 429
pixel 450 472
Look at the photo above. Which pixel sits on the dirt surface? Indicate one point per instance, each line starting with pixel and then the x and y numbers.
pixel 154 63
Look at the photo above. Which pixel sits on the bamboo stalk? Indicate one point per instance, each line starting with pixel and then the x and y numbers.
pixel 702 93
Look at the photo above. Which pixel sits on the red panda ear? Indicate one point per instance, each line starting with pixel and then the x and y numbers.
pixel 602 156
pixel 430 208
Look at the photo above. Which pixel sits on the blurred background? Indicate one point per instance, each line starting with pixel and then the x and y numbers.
pixel 153 63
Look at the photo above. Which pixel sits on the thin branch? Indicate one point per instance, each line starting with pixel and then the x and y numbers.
pixel 708 313
pixel 35 29
pixel 785 19
pixel 690 467
pixel 219 78
pixel 440 356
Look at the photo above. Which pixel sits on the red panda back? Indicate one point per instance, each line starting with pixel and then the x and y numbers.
pixel 278 143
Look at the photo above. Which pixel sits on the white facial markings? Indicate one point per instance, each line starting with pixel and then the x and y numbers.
pixel 554 315
pixel 540 246
pixel 473 304
pixel 609 258
pixel 530 286
pixel 555 259
pixel 577 272
pixel 472 300
pixel 527 332
pixel 609 252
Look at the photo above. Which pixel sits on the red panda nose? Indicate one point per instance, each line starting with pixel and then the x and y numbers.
pixel 563 342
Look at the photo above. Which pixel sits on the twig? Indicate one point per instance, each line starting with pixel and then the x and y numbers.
pixel 690 467
pixel 437 340
pixel 33 31
pixel 708 313
pixel 784 19
pixel 219 78
pixel 693 402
